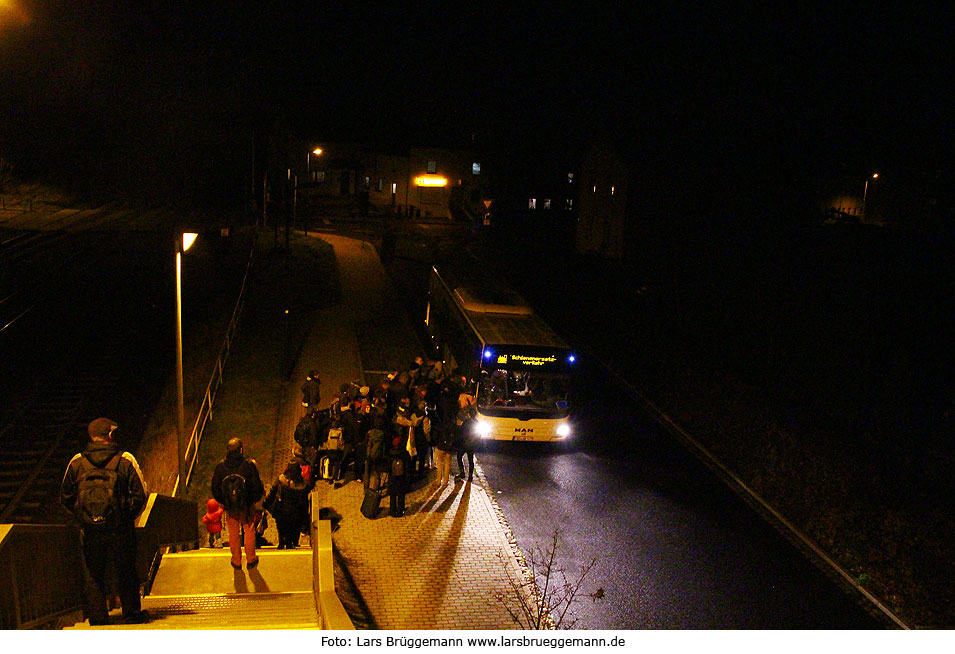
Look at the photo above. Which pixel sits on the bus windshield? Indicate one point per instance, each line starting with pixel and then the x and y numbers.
pixel 523 389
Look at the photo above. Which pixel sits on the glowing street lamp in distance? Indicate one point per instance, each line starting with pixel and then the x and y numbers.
pixel 308 161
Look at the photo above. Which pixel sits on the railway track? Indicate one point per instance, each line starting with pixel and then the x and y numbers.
pixel 86 316
pixel 60 366
pixel 44 430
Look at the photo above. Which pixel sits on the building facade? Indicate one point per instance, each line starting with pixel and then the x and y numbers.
pixel 421 182
pixel 602 191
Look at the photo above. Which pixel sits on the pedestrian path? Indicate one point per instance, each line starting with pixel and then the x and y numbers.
pixel 443 564
pixel 447 564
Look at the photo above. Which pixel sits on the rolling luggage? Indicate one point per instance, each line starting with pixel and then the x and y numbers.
pixel 371 503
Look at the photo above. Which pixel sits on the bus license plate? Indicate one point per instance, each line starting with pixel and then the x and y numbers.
pixel 523 437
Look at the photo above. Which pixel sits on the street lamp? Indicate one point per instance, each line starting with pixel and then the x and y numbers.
pixel 865 192
pixel 308 162
pixel 183 243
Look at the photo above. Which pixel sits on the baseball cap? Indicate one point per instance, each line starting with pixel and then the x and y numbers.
pixel 101 427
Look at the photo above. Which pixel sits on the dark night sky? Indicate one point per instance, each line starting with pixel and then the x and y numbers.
pixel 771 94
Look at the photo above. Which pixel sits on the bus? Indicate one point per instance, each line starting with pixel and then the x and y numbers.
pixel 521 368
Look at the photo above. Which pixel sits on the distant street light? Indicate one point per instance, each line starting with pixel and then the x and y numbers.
pixel 183 243
pixel 308 162
pixel 865 192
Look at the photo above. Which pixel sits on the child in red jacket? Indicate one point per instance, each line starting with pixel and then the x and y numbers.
pixel 213 522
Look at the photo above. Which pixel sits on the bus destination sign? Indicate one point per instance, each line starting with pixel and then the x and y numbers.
pixel 530 359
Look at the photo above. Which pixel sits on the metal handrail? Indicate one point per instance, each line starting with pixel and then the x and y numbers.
pixel 41 566
pixel 212 388
pixel 166 523
pixel 41 578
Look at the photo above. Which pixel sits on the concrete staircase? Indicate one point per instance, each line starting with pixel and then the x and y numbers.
pixel 200 590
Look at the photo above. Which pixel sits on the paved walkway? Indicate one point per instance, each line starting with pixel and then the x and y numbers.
pixel 441 566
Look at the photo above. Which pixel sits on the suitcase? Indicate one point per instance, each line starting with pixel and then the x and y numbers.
pixel 371 503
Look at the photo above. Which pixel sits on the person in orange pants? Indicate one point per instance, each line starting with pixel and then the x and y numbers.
pixel 237 486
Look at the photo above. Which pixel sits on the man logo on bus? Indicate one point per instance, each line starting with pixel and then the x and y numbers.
pixel 523 430
pixel 502 358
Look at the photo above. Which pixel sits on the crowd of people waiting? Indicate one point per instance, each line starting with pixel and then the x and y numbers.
pixel 393 435
pixel 390 437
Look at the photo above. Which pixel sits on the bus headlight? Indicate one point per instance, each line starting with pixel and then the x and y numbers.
pixel 482 428
pixel 563 430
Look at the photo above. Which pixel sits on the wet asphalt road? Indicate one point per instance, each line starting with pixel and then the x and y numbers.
pixel 675 548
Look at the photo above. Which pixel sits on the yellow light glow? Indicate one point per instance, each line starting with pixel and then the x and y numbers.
pixel 14 15
pixel 317 151
pixel 875 176
pixel 188 238
pixel 430 180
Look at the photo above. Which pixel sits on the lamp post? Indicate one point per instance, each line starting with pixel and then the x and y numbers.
pixel 308 163
pixel 183 243
pixel 865 192
pixel 308 179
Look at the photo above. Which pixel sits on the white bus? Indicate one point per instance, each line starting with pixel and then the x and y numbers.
pixel 522 369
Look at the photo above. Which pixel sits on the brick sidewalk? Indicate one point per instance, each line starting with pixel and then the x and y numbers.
pixel 440 566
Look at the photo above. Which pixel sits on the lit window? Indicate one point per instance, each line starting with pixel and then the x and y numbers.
pixel 432 166
pixel 547 204
pixel 476 168
pixel 532 203
pixel 569 204
pixel 611 190
pixel 394 188
pixel 570 178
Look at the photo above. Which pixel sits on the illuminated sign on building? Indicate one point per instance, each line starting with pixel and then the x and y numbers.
pixel 430 180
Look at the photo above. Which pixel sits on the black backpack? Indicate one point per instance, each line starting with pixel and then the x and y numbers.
pixel 96 501
pixel 304 432
pixel 375 451
pixel 234 494
pixel 397 466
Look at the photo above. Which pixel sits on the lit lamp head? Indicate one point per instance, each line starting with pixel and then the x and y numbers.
pixel 188 238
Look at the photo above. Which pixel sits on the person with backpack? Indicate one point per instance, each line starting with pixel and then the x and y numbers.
pixel 422 441
pixel 287 501
pixel 307 434
pixel 376 449
pixel 104 489
pixel 237 486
